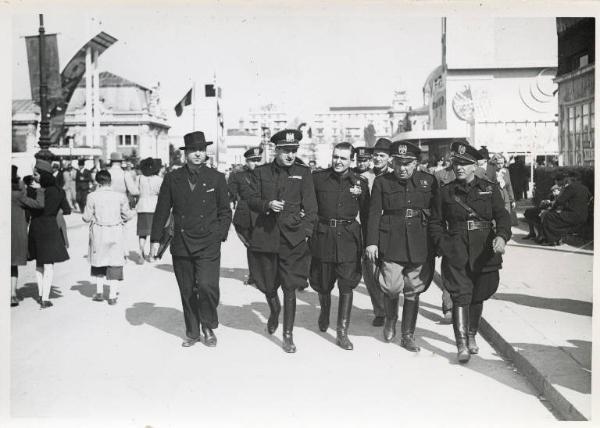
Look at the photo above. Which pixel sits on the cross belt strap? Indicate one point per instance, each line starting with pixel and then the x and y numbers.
pixel 471 211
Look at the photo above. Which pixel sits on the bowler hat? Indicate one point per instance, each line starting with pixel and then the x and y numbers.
pixel 287 138
pixel 116 157
pixel 42 165
pixel 195 141
pixel 404 150
pixel 254 153
pixel 463 152
pixel 382 145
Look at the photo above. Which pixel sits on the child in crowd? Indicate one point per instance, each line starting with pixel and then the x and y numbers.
pixel 107 211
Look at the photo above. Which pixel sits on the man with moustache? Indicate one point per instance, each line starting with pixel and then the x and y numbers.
pixel 238 182
pixel 469 227
pixel 198 199
pixel 337 243
pixel 283 209
pixel 397 239
pixel 381 159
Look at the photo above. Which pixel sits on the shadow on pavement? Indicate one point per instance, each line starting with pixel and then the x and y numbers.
pixel 241 274
pixel 164 266
pixel 577 307
pixel 85 288
pixel 30 290
pixel 169 320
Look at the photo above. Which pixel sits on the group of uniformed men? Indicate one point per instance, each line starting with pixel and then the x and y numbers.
pixel 386 225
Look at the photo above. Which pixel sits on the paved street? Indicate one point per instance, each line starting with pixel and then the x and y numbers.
pixel 84 359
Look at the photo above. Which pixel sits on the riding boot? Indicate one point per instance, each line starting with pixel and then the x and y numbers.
pixel 275 308
pixel 289 312
pixel 460 322
pixel 390 305
pixel 474 317
pixel 325 302
pixel 410 311
pixel 343 321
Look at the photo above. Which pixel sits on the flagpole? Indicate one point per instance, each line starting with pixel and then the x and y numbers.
pixel 194 106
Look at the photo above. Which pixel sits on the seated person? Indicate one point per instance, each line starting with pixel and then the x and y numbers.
pixel 533 215
pixel 569 213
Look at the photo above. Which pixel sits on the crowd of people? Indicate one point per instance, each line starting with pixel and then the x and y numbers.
pixel 385 221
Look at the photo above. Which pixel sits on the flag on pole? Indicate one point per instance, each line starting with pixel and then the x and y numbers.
pixel 220 116
pixel 185 101
pixel 209 91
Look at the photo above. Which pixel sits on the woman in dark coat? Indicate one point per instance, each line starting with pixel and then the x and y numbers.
pixel 46 242
pixel 18 228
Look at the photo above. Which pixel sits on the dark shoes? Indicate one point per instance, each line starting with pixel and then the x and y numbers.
pixel 325 303
pixel 530 236
pixel 190 342
pixel 14 301
pixel 410 311
pixel 275 308
pixel 378 321
pixel 552 243
pixel 447 319
pixel 288 343
pixel 98 297
pixel 112 301
pixel 210 339
pixel 45 304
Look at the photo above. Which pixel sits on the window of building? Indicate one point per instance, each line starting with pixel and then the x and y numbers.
pixel 128 140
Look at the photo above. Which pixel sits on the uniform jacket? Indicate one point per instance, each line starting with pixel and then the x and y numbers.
pixel 148 188
pixel 344 242
pixel 458 245
pixel 572 203
pixel 107 210
pixel 237 182
pixel 18 226
pixel 294 185
pixel 370 175
pixel 401 239
pixel 201 216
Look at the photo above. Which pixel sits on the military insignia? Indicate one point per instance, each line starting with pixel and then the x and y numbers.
pixel 289 137
pixel 402 149
pixel 256 152
pixel 485 193
pixel 461 149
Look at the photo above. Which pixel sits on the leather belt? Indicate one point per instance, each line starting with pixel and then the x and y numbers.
pixel 406 212
pixel 333 222
pixel 471 225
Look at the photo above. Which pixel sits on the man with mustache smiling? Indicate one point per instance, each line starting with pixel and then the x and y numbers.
pixel 337 243
pixel 277 194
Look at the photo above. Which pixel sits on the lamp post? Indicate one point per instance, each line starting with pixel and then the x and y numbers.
pixel 44 141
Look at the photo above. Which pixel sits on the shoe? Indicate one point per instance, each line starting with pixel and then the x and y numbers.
pixel 475 311
pixel 391 317
pixel 378 321
pixel 112 301
pixel 98 297
pixel 45 304
pixel 250 281
pixel 325 302
pixel 552 244
pixel 190 342
pixel 410 311
pixel 289 313
pixel 14 301
pixel 540 240
pixel 275 308
pixel 210 339
pixel 529 236
pixel 343 322
pixel 460 322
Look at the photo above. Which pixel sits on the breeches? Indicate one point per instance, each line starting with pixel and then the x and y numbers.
pixel 467 287
pixel 323 276
pixel 408 278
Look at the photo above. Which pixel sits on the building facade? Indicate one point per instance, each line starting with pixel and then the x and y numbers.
pixel 575 79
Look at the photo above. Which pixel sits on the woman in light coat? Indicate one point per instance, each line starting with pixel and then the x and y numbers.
pixel 107 211
pixel 148 186
pixel 502 177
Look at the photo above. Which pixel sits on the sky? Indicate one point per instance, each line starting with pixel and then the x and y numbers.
pixel 303 58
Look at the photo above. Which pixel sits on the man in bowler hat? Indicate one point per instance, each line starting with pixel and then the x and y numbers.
pixel 198 198
pixel 277 194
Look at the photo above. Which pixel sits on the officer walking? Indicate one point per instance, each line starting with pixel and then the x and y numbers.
pixel 238 184
pixel 337 243
pixel 198 199
pixel 381 159
pixel 462 230
pixel 397 239
pixel 279 255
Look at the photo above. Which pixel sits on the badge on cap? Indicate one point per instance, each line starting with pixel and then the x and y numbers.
pixel 289 137
pixel 461 149
pixel 257 152
pixel 401 149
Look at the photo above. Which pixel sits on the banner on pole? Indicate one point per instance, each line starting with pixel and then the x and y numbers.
pixel 51 68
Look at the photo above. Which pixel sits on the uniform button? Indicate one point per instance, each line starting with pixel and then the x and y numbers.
pixel 203 200
pixel 182 230
pixel 201 216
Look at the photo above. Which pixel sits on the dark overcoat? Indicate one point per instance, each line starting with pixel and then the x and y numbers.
pixel 18 227
pixel 202 216
pixel 237 182
pixel 294 185
pixel 342 242
pixel 399 237
pixel 572 203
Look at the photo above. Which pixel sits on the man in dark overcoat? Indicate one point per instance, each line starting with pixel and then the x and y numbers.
pixel 469 227
pixel 397 238
pixel 198 199
pixel 83 181
pixel 238 182
pixel 281 197
pixel 337 243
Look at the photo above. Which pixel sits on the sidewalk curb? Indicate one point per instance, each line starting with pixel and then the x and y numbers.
pixel 561 405
pixel 559 402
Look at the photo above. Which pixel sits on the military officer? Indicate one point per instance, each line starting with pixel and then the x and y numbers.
pixel 363 159
pixel 238 183
pixel 197 196
pixel 381 158
pixel 397 238
pixel 464 234
pixel 337 243
pixel 283 209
